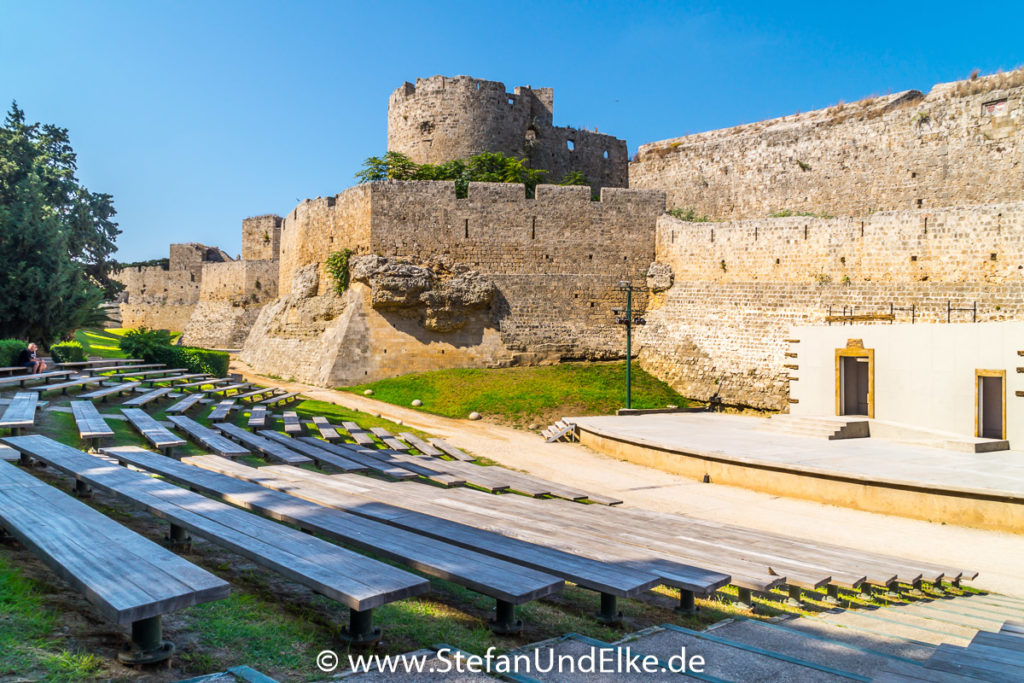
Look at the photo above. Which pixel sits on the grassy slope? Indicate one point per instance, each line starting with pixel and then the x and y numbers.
pixel 522 395
pixel 103 343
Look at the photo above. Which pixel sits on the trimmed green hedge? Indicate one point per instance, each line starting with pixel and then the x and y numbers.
pixel 9 350
pixel 154 347
pixel 67 352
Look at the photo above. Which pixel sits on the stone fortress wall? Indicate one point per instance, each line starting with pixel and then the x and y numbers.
pixel 946 166
pixel 550 266
pixel 439 119
pixel 959 144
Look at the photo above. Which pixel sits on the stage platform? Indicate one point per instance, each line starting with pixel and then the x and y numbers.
pixel 983 490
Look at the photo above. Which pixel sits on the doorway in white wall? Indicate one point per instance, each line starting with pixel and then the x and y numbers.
pixel 991 404
pixel 854 385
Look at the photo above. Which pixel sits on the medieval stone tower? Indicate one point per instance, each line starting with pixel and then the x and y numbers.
pixel 440 119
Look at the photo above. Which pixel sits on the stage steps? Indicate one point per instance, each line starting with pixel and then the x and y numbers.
pixel 830 428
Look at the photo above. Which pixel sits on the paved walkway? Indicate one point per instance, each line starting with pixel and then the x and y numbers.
pixel 999 557
pixel 746 439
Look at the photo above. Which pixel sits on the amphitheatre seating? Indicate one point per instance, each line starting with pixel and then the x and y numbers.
pixel 152 375
pixel 64 386
pixel 319 455
pixel 353 455
pixel 91 425
pixel 326 429
pixel 20 380
pixel 208 437
pixel 292 425
pixel 185 404
pixel 611 576
pixel 359 434
pixel 389 440
pixel 147 397
pixel 452 451
pixel 419 444
pixel 257 418
pixel 222 410
pixel 223 390
pixel 87 367
pixel 359 582
pixel 20 412
pixel 258 392
pixel 283 398
pixel 89 551
pixel 508 583
pixel 171 379
pixel 103 392
pixel 414 464
pixel 124 369
pixel 152 431
pixel 267 447
pixel 12 370
pixel 205 382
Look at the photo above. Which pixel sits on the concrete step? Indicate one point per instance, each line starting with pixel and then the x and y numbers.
pixel 904 648
pixel 812 647
pixel 826 428
pixel 900 625
pixel 997 600
pixel 981 609
pixel 731 660
pixel 953 615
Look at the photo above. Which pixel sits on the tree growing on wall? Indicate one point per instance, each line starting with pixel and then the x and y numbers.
pixel 56 237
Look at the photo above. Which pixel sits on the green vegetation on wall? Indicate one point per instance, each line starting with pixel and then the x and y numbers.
pixel 337 268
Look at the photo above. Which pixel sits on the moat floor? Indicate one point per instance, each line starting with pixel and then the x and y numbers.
pixel 998 556
pixel 745 438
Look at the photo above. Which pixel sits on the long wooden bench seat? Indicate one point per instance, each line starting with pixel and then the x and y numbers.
pixel 21 380
pixel 339 574
pixel 353 454
pixel 451 451
pixel 129 579
pixel 118 369
pixel 257 418
pixel 613 578
pixel 509 583
pixel 221 411
pixel 359 435
pixel 152 431
pixel 205 382
pixel 419 444
pixel 207 437
pixel 412 463
pixel 292 425
pixel 389 440
pixel 64 386
pixel 184 405
pixel 105 391
pixel 147 397
pixel 282 398
pixel 159 375
pixel 325 428
pixel 12 370
pixel 318 455
pixel 20 412
pixel 91 425
pixel 169 380
pixel 223 390
pixel 257 393
pixel 271 449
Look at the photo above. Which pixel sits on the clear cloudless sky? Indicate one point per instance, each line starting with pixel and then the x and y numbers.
pixel 194 115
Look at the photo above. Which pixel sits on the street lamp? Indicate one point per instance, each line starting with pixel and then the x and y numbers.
pixel 628 320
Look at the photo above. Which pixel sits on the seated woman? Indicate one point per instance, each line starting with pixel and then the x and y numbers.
pixel 27 359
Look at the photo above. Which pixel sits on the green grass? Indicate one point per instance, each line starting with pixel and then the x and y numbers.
pixel 522 395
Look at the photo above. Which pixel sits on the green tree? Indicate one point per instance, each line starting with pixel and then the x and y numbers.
pixel 56 237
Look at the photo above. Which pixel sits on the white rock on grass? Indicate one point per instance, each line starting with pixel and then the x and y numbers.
pixel 416 403
pixel 368 392
pixel 474 415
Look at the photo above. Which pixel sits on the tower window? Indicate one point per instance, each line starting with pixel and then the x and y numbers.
pixel 570 144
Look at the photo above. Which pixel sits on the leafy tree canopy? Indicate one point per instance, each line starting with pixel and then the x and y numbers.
pixel 56 236
pixel 486 167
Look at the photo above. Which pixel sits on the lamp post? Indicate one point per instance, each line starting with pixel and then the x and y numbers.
pixel 628 320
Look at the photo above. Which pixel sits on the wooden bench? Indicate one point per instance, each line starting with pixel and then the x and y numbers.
pixel 12 370
pixel 208 437
pixel 325 428
pixel 221 411
pixel 91 425
pixel 118 369
pixel 339 574
pixel 267 447
pixel 103 392
pixel 147 397
pixel 223 390
pixel 611 579
pixel 419 444
pixel 412 463
pixel 184 405
pixel 389 440
pixel 257 392
pixel 20 380
pixel 509 583
pixel 96 555
pixel 155 375
pixel 353 454
pixel 21 412
pixel 318 455
pixel 90 367
pixel 451 450
pixel 205 382
pixel 64 386
pixel 257 418
pixel 358 434
pixel 169 380
pixel 152 431
pixel 283 398
pixel 292 425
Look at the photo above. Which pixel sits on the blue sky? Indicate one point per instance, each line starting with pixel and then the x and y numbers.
pixel 195 115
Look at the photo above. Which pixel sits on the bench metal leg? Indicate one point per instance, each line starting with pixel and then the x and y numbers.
pixel 82 489
pixel 745 598
pixel 831 594
pixel 795 595
pixel 686 606
pixel 360 631
pixel 505 622
pixel 609 614
pixel 148 645
pixel 177 539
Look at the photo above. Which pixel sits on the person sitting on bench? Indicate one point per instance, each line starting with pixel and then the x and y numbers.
pixel 27 359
